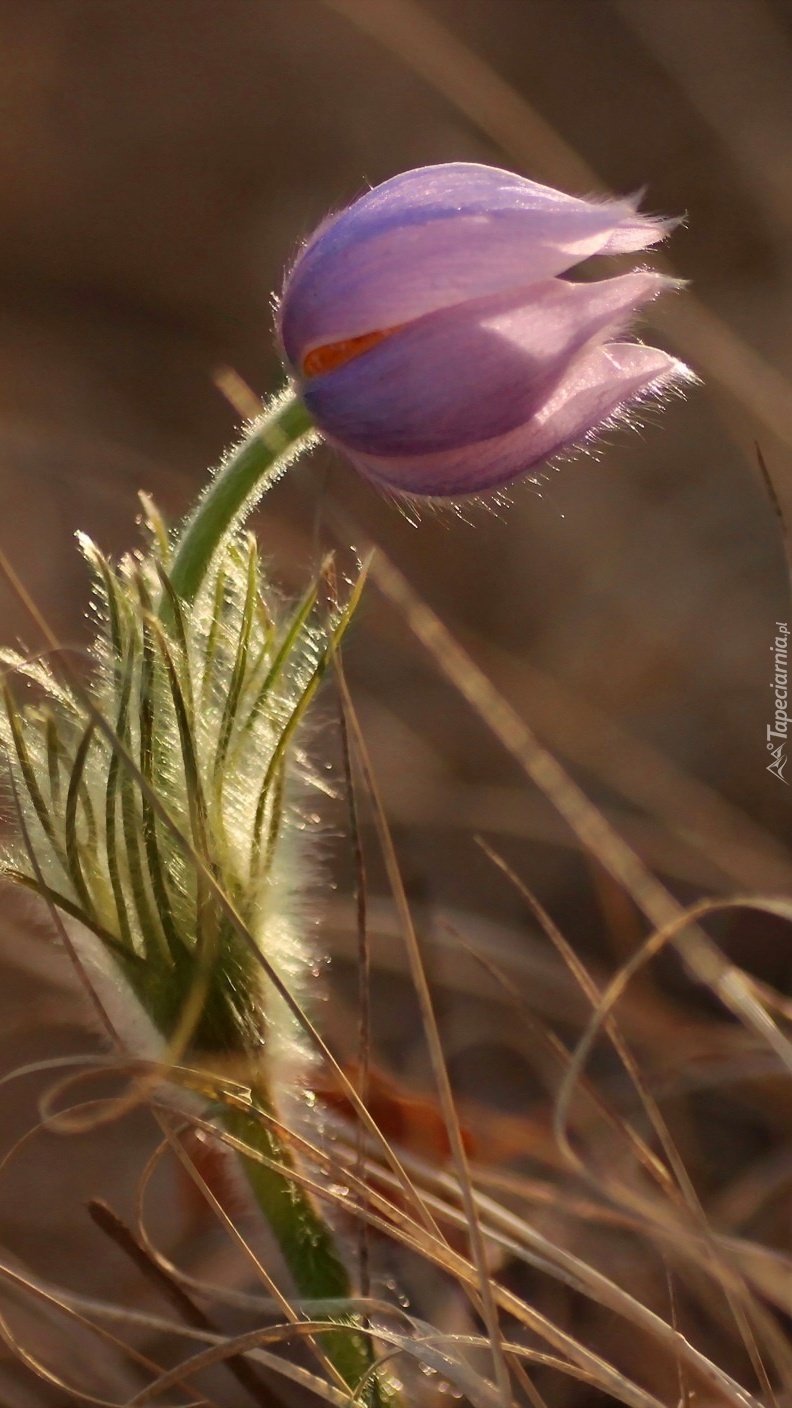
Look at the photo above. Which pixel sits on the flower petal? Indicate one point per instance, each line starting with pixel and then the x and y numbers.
pixel 602 385
pixel 470 372
pixel 437 236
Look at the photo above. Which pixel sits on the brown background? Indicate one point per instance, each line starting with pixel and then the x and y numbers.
pixel 158 160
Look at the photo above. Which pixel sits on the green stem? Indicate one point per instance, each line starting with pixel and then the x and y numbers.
pixel 235 489
pixel 305 1238
pixel 306 1242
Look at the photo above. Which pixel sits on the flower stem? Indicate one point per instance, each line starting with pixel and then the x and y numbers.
pixel 272 440
pixel 306 1242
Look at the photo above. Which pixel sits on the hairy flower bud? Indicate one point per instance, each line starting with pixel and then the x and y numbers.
pixel 432 337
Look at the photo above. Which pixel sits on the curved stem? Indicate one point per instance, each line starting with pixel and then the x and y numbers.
pixel 247 470
pixel 306 1240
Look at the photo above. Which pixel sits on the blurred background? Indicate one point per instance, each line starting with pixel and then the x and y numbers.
pixel 158 162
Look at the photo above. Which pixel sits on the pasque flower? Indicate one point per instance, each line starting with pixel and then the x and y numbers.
pixel 432 337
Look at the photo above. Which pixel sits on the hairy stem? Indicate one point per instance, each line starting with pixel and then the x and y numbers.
pixel 305 1239
pixel 243 476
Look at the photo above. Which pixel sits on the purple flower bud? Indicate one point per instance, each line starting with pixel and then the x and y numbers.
pixel 433 340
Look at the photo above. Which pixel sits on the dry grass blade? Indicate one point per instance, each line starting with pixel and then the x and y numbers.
pixel 651 947
pixel 75 1395
pixel 699 954
pixel 504 1230
pixel 116 1229
pixel 173 1144
pixel 391 1219
pixel 326 1190
pixel 363 960
pixel 681 1188
pixel 772 494
pixel 510 1232
pixel 584 980
pixel 685 829
pixel 432 1036
pixel 479 1393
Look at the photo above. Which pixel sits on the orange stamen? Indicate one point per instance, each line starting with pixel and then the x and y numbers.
pixel 336 354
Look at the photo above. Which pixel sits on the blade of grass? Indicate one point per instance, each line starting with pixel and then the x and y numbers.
pixel 699 955
pixel 434 1043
